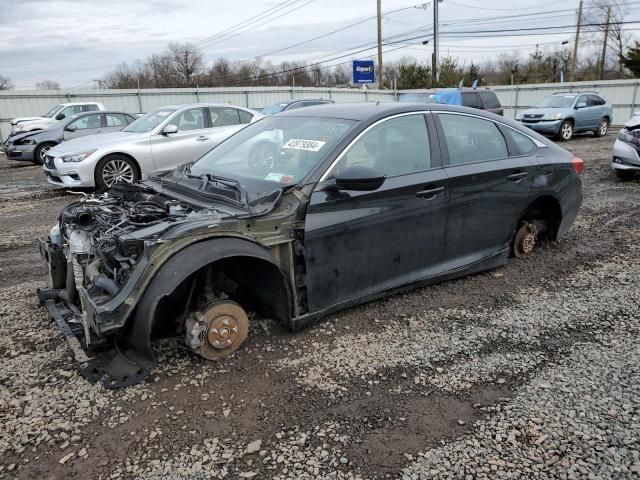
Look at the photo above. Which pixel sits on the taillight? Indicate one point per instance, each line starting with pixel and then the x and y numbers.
pixel 578 165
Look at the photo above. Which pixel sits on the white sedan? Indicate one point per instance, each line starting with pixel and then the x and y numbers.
pixel 156 142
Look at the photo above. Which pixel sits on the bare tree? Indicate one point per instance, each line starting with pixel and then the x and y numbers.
pixel 5 83
pixel 597 12
pixel 187 61
pixel 48 85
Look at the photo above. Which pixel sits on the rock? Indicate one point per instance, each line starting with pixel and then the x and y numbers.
pixel 66 458
pixel 254 446
pixel 247 474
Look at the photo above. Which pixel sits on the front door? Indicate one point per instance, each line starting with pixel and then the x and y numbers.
pixel 190 142
pixel 360 243
pixel 488 186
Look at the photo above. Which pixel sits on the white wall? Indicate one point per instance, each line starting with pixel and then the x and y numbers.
pixel 21 103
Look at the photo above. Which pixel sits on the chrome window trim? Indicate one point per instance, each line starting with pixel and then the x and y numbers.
pixel 536 141
pixel 361 134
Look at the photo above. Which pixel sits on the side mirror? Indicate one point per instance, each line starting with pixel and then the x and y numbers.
pixel 169 129
pixel 70 128
pixel 359 178
pixel 60 116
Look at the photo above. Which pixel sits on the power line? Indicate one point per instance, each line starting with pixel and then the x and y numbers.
pixel 248 21
pixel 253 27
pixel 323 35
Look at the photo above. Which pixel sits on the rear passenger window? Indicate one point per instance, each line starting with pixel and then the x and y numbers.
pixel 471 100
pixel 490 100
pixel 245 117
pixel 472 139
pixel 224 116
pixel 595 101
pixel 523 143
pixel 116 120
pixel 397 146
pixel 89 108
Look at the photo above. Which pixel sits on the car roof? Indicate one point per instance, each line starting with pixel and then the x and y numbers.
pixel 371 111
pixel 446 89
pixel 191 105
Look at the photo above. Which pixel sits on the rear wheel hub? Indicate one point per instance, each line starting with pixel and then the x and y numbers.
pixel 525 240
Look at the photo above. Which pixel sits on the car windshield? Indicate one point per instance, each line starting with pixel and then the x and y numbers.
pixel 51 113
pixel 149 121
pixel 556 101
pixel 275 151
pixel 273 109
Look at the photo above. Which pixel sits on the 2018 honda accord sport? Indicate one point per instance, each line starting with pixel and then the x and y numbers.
pixel 360 201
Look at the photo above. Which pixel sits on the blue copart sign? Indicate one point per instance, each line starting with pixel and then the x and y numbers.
pixel 363 71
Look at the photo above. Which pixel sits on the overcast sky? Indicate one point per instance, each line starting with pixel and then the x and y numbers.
pixel 77 41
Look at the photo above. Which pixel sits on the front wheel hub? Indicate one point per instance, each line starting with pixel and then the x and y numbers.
pixel 217 330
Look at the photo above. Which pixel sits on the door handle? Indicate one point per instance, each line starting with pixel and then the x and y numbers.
pixel 517 176
pixel 202 138
pixel 430 193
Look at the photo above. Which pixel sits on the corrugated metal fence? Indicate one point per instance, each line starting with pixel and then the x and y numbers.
pixel 22 103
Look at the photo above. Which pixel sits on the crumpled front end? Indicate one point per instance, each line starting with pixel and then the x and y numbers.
pixel 96 254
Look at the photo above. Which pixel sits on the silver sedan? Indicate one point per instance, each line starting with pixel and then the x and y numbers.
pixel 156 142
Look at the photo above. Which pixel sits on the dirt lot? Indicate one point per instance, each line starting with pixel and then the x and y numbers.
pixel 530 371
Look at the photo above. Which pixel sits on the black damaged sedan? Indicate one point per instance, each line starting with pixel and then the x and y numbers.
pixel 295 216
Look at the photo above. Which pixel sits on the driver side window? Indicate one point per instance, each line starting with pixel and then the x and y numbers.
pixel 397 146
pixel 192 119
pixel 582 101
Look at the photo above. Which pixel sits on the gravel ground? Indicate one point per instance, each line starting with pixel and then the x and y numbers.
pixel 529 371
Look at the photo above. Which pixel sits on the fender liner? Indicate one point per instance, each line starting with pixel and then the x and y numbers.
pixel 131 359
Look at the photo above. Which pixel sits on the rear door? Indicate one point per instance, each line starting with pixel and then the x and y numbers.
pixel 85 125
pixel 190 142
pixel 596 109
pixel 488 185
pixel 360 243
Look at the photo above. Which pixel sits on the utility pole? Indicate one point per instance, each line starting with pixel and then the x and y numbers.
pixel 380 79
pixel 575 45
pixel 604 44
pixel 434 57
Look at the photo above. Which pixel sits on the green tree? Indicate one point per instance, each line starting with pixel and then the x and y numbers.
pixel 414 75
pixel 632 59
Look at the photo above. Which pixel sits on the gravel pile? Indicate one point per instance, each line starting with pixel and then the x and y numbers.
pixel 589 300
pixel 580 419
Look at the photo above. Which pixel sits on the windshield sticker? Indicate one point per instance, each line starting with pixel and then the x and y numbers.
pixel 299 144
pixel 279 177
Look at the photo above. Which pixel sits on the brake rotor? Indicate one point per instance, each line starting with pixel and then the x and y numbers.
pixel 225 327
pixel 525 240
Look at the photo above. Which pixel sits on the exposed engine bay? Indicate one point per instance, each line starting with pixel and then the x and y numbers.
pixel 101 237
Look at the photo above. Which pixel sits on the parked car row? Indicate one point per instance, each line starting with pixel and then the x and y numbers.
pixel 148 145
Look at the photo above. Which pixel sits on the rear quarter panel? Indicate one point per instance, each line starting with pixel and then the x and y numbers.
pixel 555 176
